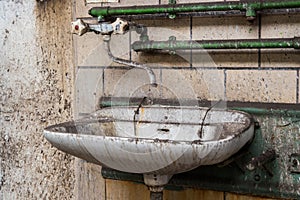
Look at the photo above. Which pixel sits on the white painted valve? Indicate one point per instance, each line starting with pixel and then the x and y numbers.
pixel 120 26
pixel 79 27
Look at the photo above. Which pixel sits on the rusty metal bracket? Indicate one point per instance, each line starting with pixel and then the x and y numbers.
pixel 261 160
pixel 269 166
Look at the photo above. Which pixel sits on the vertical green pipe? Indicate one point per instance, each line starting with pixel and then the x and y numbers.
pixel 172 1
pixel 172 15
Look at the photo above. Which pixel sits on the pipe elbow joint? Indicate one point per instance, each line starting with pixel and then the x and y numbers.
pixel 100 13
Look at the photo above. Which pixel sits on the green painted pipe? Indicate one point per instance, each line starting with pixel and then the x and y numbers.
pixel 249 7
pixel 251 110
pixel 173 45
pixel 262 111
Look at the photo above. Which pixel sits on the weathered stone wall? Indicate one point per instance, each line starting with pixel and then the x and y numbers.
pixel 36 77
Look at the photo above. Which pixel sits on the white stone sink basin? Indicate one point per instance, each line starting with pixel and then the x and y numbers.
pixel 161 140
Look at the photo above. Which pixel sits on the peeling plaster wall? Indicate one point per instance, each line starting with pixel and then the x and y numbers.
pixel 36 78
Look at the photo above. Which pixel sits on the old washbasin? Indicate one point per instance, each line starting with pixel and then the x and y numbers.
pixel 157 141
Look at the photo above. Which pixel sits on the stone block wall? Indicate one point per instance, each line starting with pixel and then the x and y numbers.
pixel 270 76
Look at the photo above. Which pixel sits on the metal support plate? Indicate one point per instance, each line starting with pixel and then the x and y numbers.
pixel 274 155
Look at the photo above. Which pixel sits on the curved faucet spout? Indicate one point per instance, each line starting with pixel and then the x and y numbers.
pixel 106 39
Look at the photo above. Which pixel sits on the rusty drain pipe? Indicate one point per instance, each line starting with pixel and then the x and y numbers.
pixel 106 39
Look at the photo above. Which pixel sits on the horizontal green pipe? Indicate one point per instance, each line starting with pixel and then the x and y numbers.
pixel 173 45
pixel 250 110
pixel 196 7
pixel 177 8
pixel 262 111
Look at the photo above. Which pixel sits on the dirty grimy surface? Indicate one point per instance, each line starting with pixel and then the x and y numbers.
pixel 36 78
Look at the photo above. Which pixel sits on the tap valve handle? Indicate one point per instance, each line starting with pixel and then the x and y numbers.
pixel 79 27
pixel 120 26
